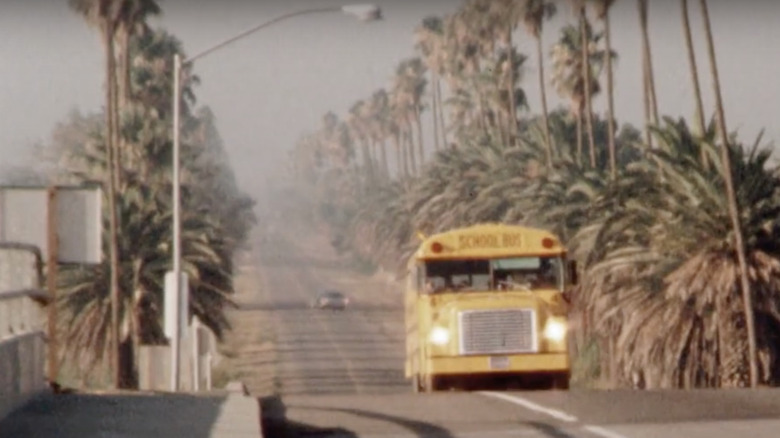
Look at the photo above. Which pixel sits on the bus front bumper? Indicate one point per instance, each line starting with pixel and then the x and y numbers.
pixel 514 363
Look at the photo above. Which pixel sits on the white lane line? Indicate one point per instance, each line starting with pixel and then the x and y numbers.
pixel 559 415
pixel 600 431
pixel 515 433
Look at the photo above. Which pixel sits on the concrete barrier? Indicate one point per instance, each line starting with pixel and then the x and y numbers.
pixel 154 362
pixel 22 350
pixel 21 267
pixel 22 324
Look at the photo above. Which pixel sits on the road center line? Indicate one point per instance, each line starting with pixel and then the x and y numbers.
pixel 600 431
pixel 559 415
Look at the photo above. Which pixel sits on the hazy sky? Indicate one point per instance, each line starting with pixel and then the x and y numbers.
pixel 267 89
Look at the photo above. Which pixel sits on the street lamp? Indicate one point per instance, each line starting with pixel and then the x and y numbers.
pixel 363 12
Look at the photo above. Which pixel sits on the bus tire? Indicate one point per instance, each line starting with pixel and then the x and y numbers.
pixel 431 383
pixel 561 381
pixel 416 387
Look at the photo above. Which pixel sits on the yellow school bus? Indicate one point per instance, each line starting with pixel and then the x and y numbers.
pixel 487 301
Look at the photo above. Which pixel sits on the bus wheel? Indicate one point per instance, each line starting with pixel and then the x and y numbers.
pixel 561 381
pixel 430 383
pixel 416 387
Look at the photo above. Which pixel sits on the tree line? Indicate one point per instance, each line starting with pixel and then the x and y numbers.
pixel 674 223
pixel 109 310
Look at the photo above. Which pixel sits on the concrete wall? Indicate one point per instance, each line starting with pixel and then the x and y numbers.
pixel 22 319
pixel 22 361
pixel 154 362
pixel 20 268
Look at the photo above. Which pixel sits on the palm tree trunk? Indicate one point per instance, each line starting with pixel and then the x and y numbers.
pixel 136 318
pixel 410 144
pixel 502 126
pixel 695 77
pixel 481 118
pixel 436 109
pixel 385 165
pixel 732 200
pixel 366 157
pixel 545 114
pixel 512 98
pixel 648 61
pixel 375 155
pixel 587 79
pixel 418 126
pixel 398 155
pixel 610 100
pixel 579 135
pixel 122 89
pixel 442 126
pixel 404 154
pixel 112 204
pixel 646 104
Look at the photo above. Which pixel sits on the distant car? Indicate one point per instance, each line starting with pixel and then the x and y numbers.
pixel 330 299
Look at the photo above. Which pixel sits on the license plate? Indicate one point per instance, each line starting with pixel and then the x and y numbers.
pixel 499 362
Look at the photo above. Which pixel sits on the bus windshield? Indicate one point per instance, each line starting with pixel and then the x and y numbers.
pixel 513 273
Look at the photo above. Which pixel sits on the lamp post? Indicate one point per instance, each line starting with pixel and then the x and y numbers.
pixel 365 12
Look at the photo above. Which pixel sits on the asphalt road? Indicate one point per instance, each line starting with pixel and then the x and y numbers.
pixel 355 351
pixel 339 374
pixel 134 415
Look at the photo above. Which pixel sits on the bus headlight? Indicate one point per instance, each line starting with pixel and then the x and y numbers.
pixel 439 336
pixel 555 330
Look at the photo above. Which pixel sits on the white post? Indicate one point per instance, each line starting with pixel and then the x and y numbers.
pixel 208 371
pixel 195 330
pixel 176 223
pixel 363 12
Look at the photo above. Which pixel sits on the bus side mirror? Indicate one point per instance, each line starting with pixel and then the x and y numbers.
pixel 572 265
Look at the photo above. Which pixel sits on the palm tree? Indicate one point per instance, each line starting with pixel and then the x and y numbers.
pixel 430 39
pixel 335 140
pixel 602 12
pixel 734 212
pixel 568 77
pixel 395 130
pixel 102 14
pixel 359 131
pixel 409 88
pixel 378 109
pixel 680 261
pixel 131 22
pixel 146 124
pixel 470 40
pixel 504 16
pixel 699 114
pixel 145 224
pixel 137 218
pixel 534 13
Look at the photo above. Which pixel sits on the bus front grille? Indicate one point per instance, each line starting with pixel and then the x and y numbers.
pixel 498 331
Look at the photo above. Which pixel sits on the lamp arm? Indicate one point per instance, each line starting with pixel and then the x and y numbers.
pixel 259 27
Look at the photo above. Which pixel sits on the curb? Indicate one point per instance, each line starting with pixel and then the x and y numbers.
pixel 242 404
pixel 237 386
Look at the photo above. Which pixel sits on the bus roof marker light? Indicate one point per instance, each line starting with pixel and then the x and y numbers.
pixel 548 242
pixel 436 247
